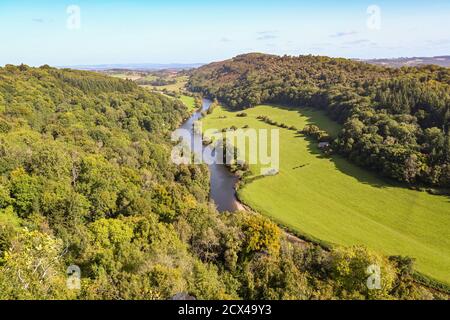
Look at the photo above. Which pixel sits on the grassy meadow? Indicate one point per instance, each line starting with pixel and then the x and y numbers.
pixel 127 76
pixel 189 102
pixel 180 84
pixel 332 200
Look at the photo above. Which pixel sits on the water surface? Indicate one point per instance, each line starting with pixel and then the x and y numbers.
pixel 223 182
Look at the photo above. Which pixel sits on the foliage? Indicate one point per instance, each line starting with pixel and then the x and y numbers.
pixel 86 179
pixel 396 121
pixel 32 268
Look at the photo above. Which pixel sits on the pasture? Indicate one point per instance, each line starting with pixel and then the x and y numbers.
pixel 331 200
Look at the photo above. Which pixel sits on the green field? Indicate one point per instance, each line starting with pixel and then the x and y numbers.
pixel 176 87
pixel 180 84
pixel 126 76
pixel 189 103
pixel 337 202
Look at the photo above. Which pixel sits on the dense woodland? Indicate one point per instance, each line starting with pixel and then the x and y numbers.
pixel 395 121
pixel 85 179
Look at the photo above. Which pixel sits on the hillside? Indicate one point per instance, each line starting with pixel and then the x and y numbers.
pixel 395 121
pixel 86 180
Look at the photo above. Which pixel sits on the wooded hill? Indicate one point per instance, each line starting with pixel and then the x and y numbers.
pixel 86 179
pixel 395 121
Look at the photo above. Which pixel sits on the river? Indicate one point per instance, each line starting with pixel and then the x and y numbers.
pixel 223 182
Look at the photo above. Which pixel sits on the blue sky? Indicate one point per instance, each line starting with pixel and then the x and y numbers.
pixel 134 31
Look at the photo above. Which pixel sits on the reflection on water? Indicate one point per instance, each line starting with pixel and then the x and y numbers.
pixel 222 181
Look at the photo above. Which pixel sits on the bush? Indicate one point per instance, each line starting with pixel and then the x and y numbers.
pixel 5 199
pixel 5 127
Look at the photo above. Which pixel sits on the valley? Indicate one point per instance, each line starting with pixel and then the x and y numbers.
pixel 233 159
pixel 328 199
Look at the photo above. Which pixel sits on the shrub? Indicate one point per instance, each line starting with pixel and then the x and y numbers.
pixel 5 127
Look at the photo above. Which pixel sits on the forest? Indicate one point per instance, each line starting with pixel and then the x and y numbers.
pixel 86 180
pixel 395 121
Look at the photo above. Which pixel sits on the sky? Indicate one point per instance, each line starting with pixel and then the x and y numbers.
pixel 89 32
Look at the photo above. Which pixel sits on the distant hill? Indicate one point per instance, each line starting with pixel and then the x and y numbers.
pixel 442 61
pixel 137 67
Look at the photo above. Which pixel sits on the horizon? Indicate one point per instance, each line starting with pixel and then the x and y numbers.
pixel 169 65
pixel 89 33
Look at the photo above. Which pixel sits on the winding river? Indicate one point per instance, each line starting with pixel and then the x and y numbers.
pixel 223 182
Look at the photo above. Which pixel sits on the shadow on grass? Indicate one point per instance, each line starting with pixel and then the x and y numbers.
pixel 367 176
pixel 361 174
pixel 315 117
pixel 344 165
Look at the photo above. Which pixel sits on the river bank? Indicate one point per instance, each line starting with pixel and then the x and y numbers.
pixel 222 182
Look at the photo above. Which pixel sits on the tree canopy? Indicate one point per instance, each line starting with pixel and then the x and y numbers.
pixel 86 180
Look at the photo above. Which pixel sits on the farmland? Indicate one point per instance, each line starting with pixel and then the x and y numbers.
pixel 332 200
pixel 189 102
